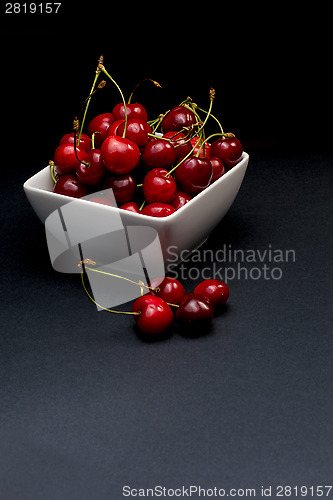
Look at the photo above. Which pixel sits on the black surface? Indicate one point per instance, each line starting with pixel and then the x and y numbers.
pixel 87 406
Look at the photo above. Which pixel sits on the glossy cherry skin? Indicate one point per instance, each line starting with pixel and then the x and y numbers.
pixel 195 307
pixel 100 124
pixel 170 290
pixel 155 314
pixel 114 127
pixel 215 290
pixel 178 118
pixel 218 167
pixel 123 187
pixel 158 209
pixel 94 173
pixel 178 139
pixel 157 187
pixel 134 110
pixel 194 174
pixel 65 159
pixel 180 199
pixel 159 153
pixel 119 154
pixel 229 150
pixel 136 131
pixel 69 185
pixel 202 154
pixel 131 206
pixel 85 141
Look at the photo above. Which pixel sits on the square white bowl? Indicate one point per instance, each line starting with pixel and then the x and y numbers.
pixel 182 232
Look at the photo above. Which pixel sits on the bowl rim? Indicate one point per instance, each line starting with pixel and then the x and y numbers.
pixel 157 220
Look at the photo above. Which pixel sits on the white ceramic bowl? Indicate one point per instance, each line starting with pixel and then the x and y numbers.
pixel 182 232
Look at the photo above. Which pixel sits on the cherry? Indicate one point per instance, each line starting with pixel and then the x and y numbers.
pixel 194 174
pixel 123 187
pixel 158 209
pixel 218 167
pixel 93 173
pixel 195 307
pixel 69 185
pixel 180 199
pixel 207 147
pixel 114 127
pixel 85 141
pixel 170 290
pixel 157 187
pixel 131 206
pixel 100 124
pixel 159 153
pixel 134 110
pixel 215 290
pixel 65 159
pixel 230 151
pixel 136 131
pixel 178 139
pixel 178 118
pixel 155 314
pixel 119 154
pixel 101 199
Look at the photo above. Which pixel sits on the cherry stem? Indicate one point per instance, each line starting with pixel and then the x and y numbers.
pixel 132 313
pixel 102 68
pixel 140 284
pixel 183 159
pixel 75 146
pixel 51 163
pixel 87 105
pixel 212 116
pixel 137 85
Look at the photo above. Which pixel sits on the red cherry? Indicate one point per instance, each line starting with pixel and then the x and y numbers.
pixel 134 110
pixel 102 200
pixel 94 173
pixel 218 167
pixel 131 206
pixel 194 174
pixel 65 159
pixel 157 187
pixel 178 118
pixel 114 127
pixel 119 154
pixel 170 290
pixel 69 185
pixel 195 307
pixel 159 153
pixel 123 187
pixel 100 124
pixel 155 314
pixel 230 151
pixel 215 290
pixel 85 141
pixel 178 139
pixel 136 131
pixel 158 209
pixel 180 199
pixel 207 147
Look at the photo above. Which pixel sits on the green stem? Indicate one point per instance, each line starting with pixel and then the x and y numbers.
pixel 122 95
pixel 183 159
pixel 87 106
pixel 200 109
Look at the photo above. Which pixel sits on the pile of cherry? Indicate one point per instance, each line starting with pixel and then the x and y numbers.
pixel 158 173
pixel 158 164
pixel 155 314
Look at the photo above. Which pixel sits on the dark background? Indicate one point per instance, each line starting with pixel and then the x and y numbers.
pixel 87 406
